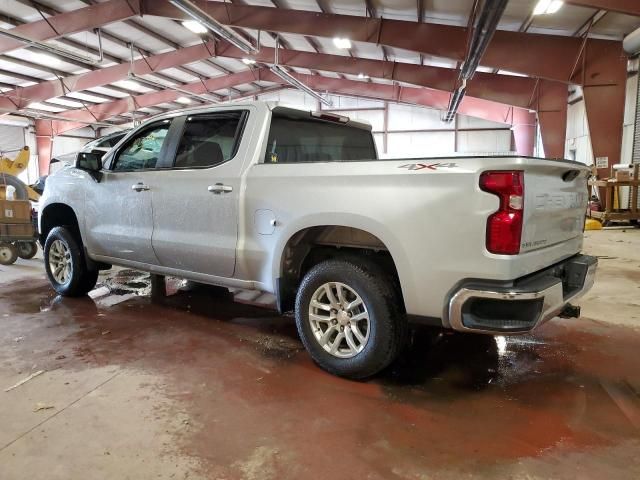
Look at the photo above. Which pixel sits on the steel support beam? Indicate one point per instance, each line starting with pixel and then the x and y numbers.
pixel 537 55
pixel 552 104
pixel 20 97
pixel 630 7
pixel 507 89
pixel 75 21
pixel 102 111
pixel 604 77
pixel 517 117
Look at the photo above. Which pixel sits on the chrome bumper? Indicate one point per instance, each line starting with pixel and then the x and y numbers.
pixel 554 298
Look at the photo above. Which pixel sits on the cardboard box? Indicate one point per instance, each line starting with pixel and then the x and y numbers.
pixel 623 175
pixel 15 211
pixel 16 231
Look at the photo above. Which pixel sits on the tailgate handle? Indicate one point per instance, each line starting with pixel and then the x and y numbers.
pixel 570 175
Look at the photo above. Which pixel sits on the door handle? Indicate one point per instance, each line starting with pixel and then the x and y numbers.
pixel 140 187
pixel 219 188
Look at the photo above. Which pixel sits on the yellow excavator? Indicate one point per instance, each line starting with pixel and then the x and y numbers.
pixel 9 171
pixel 17 231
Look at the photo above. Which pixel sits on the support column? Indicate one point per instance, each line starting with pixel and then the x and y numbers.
pixel 524 132
pixel 552 105
pixel 603 75
pixel 44 144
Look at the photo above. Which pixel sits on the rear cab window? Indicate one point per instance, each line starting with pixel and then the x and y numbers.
pixel 300 137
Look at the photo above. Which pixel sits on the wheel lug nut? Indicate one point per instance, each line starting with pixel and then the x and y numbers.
pixel 341 329
pixel 349 315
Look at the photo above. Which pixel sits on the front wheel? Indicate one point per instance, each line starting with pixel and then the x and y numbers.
pixel 348 317
pixel 65 265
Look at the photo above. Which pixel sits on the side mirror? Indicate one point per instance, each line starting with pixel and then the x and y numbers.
pixel 91 163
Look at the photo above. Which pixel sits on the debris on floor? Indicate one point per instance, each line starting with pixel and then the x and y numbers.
pixel 42 406
pixel 25 380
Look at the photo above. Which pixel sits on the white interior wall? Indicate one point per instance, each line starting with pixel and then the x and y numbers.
pixel 69 144
pixel 404 137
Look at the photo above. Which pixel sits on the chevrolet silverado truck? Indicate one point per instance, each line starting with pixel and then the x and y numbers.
pixel 297 203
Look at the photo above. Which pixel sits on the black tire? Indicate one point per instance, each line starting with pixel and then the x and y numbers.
pixel 27 250
pixel 387 324
pixel 8 253
pixel 81 279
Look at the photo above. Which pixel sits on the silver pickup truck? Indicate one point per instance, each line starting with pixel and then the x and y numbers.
pixel 298 204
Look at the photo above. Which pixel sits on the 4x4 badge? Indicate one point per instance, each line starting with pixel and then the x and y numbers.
pixel 430 166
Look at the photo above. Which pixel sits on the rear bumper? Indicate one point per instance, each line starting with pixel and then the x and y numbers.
pixel 522 305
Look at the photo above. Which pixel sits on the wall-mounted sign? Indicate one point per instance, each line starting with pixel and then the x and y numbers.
pixel 602 162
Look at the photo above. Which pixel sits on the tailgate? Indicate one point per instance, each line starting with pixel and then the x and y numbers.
pixel 555 203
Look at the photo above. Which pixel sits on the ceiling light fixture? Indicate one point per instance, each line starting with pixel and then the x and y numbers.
pixel 63 52
pixel 194 26
pixel 342 43
pixel 212 24
pixel 183 100
pixel 129 84
pixel 45 59
pixel 547 7
pixel 248 61
pixel 293 81
pixel 363 76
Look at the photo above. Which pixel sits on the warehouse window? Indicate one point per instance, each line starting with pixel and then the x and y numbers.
pixel 299 139
pixel 209 140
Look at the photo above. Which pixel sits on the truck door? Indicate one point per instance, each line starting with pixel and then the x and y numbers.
pixel 195 206
pixel 119 217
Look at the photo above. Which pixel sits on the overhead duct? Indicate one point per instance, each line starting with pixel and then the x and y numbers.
pixel 484 27
pixel 294 82
pixel 281 72
pixel 631 43
pixel 214 26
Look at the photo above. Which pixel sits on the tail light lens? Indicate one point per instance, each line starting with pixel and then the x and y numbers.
pixel 504 227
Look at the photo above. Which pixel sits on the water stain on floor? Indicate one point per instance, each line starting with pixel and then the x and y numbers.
pixel 452 405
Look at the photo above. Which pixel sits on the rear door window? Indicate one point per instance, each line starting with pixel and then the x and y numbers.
pixel 209 139
pixel 302 139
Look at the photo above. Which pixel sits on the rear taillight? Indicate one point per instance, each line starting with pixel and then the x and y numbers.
pixel 504 227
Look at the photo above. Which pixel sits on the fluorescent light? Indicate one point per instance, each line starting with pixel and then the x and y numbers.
pixel 544 7
pixel 363 76
pixel 248 61
pixel 45 59
pixel 184 100
pixel 194 26
pixel 212 24
pixel 343 43
pixel 129 84
pixel 293 81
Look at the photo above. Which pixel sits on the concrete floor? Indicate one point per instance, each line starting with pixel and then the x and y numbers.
pixel 206 388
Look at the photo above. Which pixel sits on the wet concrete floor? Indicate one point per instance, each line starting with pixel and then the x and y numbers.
pixel 197 386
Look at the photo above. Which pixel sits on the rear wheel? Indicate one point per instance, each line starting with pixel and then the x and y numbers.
pixel 8 253
pixel 27 250
pixel 65 264
pixel 348 317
